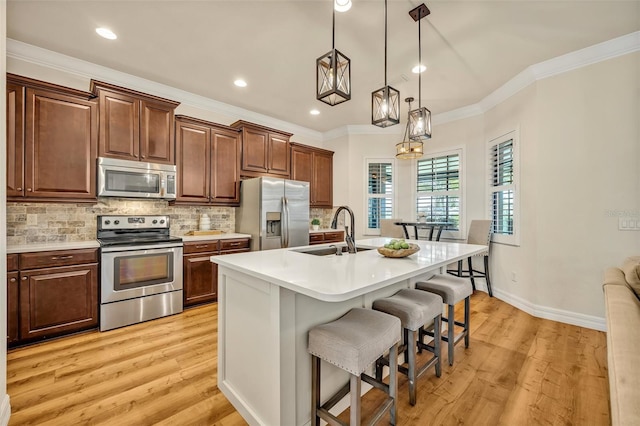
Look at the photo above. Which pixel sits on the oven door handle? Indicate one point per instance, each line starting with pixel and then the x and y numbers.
pixel 126 248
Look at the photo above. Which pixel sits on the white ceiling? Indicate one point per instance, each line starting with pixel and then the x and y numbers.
pixel 470 47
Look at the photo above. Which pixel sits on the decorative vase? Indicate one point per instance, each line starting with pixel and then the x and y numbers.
pixel 315 227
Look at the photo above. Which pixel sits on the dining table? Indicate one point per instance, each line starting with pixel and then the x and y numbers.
pixel 431 226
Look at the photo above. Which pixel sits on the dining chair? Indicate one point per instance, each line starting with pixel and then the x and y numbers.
pixel 389 229
pixel 479 233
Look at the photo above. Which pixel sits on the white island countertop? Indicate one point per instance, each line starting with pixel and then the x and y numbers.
pixel 339 278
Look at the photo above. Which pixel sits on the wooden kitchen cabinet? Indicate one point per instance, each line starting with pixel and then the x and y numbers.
pixel 56 294
pixel 207 159
pixel 265 151
pixel 326 237
pixel 314 165
pixel 200 275
pixel 13 301
pixel 52 136
pixel 135 126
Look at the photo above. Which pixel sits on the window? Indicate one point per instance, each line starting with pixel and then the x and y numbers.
pixel 503 188
pixel 380 193
pixel 439 191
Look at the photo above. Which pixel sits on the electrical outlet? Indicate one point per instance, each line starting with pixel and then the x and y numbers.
pixel 514 277
pixel 628 224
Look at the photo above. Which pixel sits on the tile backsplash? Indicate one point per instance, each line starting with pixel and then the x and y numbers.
pixel 34 223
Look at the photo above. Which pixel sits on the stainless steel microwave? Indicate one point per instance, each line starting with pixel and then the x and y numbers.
pixel 135 179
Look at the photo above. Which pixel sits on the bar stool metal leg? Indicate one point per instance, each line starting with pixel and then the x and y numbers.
pixel 355 409
pixel 466 321
pixel 315 389
pixel 450 331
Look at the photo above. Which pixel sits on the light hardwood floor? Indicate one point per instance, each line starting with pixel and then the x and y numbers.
pixel 518 370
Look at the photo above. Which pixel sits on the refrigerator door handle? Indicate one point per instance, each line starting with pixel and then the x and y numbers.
pixel 285 222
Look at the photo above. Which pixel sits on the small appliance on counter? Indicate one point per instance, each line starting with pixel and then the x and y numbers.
pixel 205 222
pixel 275 212
pixel 141 276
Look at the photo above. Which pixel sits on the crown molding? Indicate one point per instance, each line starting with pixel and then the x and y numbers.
pixel 580 58
pixel 50 59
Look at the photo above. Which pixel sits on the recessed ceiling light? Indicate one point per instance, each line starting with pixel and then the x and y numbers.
pixel 314 112
pixel 106 33
pixel 240 83
pixel 342 5
pixel 418 69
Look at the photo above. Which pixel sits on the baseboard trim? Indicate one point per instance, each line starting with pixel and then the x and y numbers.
pixel 545 312
pixel 5 411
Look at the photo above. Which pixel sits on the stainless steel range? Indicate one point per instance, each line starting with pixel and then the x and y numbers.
pixel 141 276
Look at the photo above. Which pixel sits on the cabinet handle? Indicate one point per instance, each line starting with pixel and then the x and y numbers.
pixel 12 280
pixel 28 189
pixel 234 244
pixel 24 278
pixel 204 246
pixel 62 257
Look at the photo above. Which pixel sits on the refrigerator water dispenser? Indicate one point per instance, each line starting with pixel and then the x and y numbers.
pixel 273 224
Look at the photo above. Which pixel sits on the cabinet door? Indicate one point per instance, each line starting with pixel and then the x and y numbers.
pixel 322 183
pixel 278 155
pixel 255 145
pixel 156 132
pixel 119 126
pixel 13 304
pixel 58 300
pixel 15 140
pixel 60 140
pixel 193 163
pixel 301 166
pixel 200 279
pixel 225 152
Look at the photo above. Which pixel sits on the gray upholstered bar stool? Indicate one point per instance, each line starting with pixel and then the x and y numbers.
pixel 353 342
pixel 415 309
pixel 452 290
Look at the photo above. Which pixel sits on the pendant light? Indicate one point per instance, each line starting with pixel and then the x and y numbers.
pixel 342 5
pixel 409 149
pixel 419 119
pixel 333 74
pixel 385 102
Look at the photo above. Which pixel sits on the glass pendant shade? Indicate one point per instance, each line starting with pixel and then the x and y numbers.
pixel 419 124
pixel 333 78
pixel 342 5
pixel 409 150
pixel 385 107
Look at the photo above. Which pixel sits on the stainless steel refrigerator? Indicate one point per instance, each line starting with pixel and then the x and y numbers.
pixel 275 212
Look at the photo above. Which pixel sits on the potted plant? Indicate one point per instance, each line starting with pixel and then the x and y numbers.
pixel 315 224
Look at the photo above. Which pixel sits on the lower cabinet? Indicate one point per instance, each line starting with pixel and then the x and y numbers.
pixel 13 299
pixel 326 237
pixel 58 296
pixel 200 275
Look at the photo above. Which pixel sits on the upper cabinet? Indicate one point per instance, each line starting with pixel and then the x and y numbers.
pixel 207 160
pixel 52 136
pixel 314 165
pixel 135 126
pixel 265 151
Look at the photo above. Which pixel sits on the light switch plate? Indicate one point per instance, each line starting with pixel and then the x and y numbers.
pixel 628 224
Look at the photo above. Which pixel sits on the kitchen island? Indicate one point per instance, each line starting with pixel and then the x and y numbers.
pixel 269 300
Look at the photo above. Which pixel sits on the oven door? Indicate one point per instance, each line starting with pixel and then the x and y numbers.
pixel 133 272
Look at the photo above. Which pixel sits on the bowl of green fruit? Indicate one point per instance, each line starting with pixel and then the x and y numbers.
pixel 398 248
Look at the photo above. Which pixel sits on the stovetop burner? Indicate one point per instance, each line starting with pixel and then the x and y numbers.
pixel 134 230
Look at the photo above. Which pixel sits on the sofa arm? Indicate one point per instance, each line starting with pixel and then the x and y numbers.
pixel 614 276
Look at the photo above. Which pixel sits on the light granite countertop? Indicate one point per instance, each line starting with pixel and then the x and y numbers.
pixel 26 248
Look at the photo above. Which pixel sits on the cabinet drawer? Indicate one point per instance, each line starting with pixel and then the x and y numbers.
pixel 316 238
pixel 227 245
pixel 200 247
pixel 45 259
pixel 244 250
pixel 12 262
pixel 333 236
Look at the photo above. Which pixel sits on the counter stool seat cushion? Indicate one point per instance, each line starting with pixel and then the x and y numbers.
pixel 451 289
pixel 415 308
pixel 356 340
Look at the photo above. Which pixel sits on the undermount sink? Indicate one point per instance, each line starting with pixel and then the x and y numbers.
pixel 330 251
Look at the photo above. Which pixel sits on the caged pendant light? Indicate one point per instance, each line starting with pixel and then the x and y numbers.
pixel 385 102
pixel 333 74
pixel 419 119
pixel 409 149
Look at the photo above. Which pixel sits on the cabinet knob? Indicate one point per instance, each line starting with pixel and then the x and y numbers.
pixel 12 280
pixel 24 278
pixel 28 189
pixel 18 189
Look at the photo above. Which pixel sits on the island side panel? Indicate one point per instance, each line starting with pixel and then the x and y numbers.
pixel 250 356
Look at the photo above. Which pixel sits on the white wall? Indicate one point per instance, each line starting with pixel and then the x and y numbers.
pixel 5 408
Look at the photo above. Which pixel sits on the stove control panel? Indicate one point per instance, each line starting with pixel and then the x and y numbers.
pixel 133 222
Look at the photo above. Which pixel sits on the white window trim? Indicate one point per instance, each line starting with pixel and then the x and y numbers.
pixel 394 173
pixel 512 240
pixel 460 150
